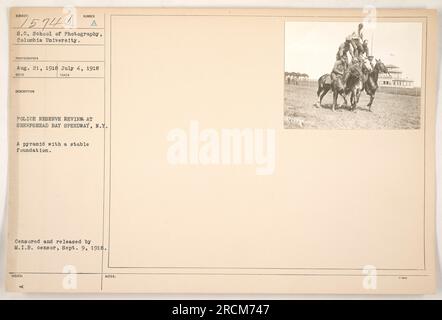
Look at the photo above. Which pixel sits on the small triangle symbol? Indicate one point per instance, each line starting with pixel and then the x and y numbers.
pixel 93 24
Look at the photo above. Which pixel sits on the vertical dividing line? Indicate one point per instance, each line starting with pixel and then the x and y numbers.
pixel 425 134
pixel 283 71
pixel 110 141
pixel 104 149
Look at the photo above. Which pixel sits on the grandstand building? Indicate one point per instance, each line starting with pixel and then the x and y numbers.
pixel 396 79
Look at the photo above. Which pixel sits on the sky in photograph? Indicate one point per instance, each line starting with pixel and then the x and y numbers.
pixel 310 47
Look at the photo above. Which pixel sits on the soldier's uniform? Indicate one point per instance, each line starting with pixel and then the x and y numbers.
pixel 356 40
pixel 338 73
pixel 356 46
pixel 342 52
pixel 365 48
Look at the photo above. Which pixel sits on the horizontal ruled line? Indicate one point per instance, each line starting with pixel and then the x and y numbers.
pixel 58 77
pixel 58 44
pixel 64 28
pixel 224 274
pixel 57 61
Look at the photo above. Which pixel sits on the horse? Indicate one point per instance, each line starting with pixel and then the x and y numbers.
pixel 357 80
pixel 371 83
pixel 338 88
pixel 324 86
pixel 354 83
pixel 325 81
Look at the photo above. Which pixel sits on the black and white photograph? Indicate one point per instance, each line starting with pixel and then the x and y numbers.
pixel 352 75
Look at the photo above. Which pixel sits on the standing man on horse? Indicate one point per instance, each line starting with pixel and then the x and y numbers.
pixel 342 52
pixel 356 40
pixel 365 49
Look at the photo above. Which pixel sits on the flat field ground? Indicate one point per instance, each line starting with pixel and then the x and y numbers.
pixel 389 110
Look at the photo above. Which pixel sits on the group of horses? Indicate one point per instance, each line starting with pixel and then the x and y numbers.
pixel 365 78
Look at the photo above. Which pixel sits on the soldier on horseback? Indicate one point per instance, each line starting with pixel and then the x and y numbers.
pixel 338 72
pixel 357 47
pixel 354 68
pixel 358 69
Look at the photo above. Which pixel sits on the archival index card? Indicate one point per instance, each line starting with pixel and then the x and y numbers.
pixel 222 150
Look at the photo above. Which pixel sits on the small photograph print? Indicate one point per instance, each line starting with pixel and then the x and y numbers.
pixel 351 75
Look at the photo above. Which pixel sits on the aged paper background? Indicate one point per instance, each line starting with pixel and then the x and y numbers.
pixel 325 192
